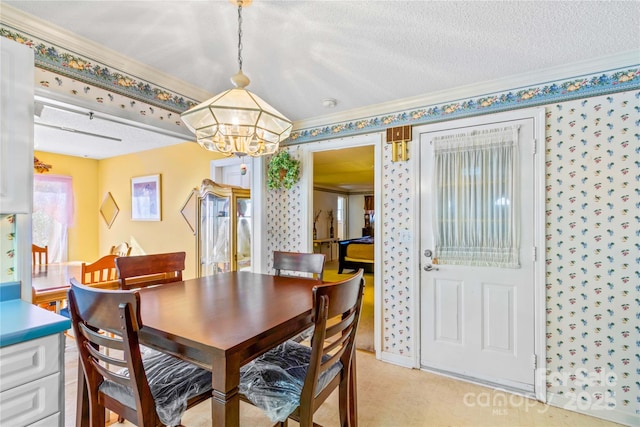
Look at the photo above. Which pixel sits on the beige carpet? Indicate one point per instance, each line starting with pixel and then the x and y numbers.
pixel 389 396
pixel 364 337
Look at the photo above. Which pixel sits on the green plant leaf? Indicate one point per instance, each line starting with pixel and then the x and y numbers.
pixel 282 160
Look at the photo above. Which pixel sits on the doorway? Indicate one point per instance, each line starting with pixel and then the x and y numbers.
pixel 482 320
pixel 345 170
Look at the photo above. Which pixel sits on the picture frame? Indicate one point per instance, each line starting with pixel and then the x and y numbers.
pixel 146 198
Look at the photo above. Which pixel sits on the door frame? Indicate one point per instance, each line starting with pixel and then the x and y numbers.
pixel 539 334
pixel 306 193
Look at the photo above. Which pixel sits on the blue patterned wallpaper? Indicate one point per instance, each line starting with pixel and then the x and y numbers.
pixel 397 282
pixel 284 218
pixel 8 248
pixel 592 254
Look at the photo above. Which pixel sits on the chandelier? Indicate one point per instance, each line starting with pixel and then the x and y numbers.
pixel 238 122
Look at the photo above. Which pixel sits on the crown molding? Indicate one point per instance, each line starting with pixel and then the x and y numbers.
pixel 533 78
pixel 605 75
pixel 59 36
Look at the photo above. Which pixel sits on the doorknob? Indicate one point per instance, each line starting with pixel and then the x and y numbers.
pixel 430 267
pixel 428 253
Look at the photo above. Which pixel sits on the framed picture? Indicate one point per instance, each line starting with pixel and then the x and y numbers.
pixel 145 198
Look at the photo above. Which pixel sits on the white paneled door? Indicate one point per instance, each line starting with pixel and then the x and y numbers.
pixel 478 321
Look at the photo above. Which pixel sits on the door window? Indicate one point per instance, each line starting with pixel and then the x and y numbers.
pixel 475 208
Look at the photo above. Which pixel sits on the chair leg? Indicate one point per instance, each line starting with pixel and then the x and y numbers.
pixel 344 403
pixel 98 417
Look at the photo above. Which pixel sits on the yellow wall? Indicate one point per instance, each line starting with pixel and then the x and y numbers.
pixel 83 236
pixel 182 167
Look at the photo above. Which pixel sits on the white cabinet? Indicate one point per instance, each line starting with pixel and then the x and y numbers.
pixel 16 127
pixel 32 382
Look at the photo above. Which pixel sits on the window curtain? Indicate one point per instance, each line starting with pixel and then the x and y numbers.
pixel 475 206
pixel 52 214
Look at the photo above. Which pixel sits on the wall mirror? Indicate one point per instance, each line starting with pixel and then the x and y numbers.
pixel 109 209
pixel 189 210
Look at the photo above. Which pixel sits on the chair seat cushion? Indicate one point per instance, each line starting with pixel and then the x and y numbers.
pixel 172 382
pixel 273 382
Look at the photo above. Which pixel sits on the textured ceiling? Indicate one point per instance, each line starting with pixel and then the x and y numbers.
pixel 361 53
pixel 349 169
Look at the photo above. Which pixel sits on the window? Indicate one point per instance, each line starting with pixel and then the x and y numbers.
pixel 475 212
pixel 340 217
pixel 52 214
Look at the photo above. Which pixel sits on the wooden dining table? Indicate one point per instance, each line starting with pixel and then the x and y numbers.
pixel 50 282
pixel 55 275
pixel 221 322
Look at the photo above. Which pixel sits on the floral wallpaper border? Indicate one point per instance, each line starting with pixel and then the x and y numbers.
pixel 618 80
pixel 69 64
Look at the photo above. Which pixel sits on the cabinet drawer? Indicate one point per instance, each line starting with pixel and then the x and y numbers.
pixel 28 361
pixel 28 403
pixel 52 421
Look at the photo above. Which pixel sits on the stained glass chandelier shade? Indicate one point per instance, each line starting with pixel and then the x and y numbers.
pixel 238 122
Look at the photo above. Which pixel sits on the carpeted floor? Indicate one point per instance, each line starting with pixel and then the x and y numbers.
pixel 364 337
pixel 389 396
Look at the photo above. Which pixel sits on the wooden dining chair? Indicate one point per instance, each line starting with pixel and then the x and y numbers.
pixel 299 262
pixel 149 270
pixel 153 388
pixel 102 270
pixel 39 254
pixel 123 249
pixel 293 380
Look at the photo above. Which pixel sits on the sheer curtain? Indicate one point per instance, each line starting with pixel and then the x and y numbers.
pixel 52 213
pixel 475 207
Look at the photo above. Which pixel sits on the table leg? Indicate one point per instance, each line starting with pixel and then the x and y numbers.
pixel 225 402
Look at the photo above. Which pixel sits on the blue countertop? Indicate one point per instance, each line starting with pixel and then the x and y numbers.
pixel 21 321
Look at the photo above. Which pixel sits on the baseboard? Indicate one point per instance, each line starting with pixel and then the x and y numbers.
pixel 599 410
pixel 396 359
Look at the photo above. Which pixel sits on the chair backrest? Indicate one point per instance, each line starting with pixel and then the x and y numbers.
pixel 148 270
pixel 123 249
pixel 101 270
pixel 299 261
pixel 336 314
pixel 39 254
pixel 117 312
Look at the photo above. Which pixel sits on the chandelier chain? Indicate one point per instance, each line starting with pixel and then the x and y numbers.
pixel 237 122
pixel 240 35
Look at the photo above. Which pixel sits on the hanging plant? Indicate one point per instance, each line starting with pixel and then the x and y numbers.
pixel 283 171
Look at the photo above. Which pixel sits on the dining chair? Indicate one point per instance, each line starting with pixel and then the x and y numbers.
pixel 148 270
pixel 123 249
pixel 153 388
pixel 293 380
pixel 39 254
pixel 304 263
pixel 102 270
pixel 299 262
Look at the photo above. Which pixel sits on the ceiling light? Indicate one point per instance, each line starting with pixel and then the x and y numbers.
pixel 238 121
